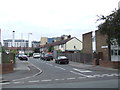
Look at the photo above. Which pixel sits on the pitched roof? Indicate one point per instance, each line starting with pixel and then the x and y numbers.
pixel 58 42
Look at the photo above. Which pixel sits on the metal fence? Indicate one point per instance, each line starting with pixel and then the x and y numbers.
pixel 79 57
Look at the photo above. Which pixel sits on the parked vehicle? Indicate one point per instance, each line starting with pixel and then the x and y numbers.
pixel 22 57
pixel 36 55
pixel 47 57
pixel 62 59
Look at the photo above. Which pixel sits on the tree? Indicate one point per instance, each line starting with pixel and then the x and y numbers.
pixel 111 28
pixel 50 49
pixel 37 50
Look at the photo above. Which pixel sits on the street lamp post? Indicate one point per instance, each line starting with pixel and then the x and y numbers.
pixel 13 42
pixel 28 42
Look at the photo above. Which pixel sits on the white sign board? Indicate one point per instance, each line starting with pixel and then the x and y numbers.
pixel 104 47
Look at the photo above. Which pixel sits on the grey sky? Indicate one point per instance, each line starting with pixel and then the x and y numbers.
pixel 51 17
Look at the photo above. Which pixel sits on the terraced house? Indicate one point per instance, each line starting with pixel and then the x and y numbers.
pixel 67 45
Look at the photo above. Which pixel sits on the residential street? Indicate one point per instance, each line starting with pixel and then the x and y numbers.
pixel 47 74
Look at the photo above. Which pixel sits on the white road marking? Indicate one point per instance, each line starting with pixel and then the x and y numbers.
pixel 90 76
pixel 5 83
pixel 46 80
pixel 116 74
pixel 82 71
pixel 85 76
pixel 33 81
pixel 96 75
pixel 60 68
pixel 78 73
pixel 71 78
pixel 17 82
pixel 110 75
pixel 57 79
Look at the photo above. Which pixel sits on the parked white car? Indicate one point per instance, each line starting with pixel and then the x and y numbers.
pixel 36 55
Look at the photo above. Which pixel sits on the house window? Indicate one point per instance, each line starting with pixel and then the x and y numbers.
pixel 115 52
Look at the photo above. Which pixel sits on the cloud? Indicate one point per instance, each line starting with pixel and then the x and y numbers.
pixel 51 17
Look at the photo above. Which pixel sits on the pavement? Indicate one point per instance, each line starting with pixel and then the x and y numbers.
pixel 24 69
pixel 90 67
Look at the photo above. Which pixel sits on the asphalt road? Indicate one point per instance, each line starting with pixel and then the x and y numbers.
pixel 65 76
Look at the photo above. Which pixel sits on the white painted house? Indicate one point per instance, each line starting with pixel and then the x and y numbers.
pixel 70 44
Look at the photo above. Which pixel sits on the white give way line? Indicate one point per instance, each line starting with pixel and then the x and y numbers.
pixel 82 71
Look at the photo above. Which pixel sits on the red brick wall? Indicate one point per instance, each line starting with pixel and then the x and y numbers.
pixel 6 68
pixel 101 41
pixel 110 64
pixel 87 43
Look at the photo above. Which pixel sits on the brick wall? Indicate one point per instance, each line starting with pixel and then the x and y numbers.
pixel 101 41
pixel 6 68
pixel 87 43
pixel 110 64
pixel 104 58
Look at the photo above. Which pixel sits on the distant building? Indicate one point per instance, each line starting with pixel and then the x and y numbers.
pixel 63 37
pixel 35 44
pixel 17 43
pixel 50 40
pixel 44 40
